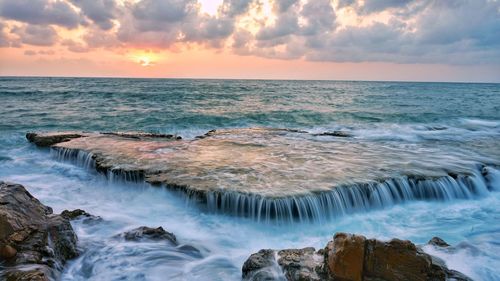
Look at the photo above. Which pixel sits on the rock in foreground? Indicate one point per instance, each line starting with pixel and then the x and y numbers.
pixel 150 233
pixel 34 242
pixel 350 258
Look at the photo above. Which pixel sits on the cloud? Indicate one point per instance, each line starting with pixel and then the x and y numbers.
pixel 410 32
pixel 29 53
pixel 75 47
pixel 41 12
pixel 233 8
pixel 36 35
pixel 101 12
pixel 371 6
pixel 155 15
pixel 399 31
pixel 47 52
pixel 161 24
pixel 4 41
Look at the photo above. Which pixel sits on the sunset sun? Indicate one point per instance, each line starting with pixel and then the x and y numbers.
pixel 145 61
pixel 144 58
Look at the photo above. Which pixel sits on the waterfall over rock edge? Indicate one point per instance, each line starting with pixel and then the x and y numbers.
pixel 318 206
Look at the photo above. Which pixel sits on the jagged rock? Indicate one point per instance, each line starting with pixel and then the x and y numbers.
pixel 259 266
pixel 75 214
pixel 302 264
pixel 436 241
pixel 290 264
pixel 139 135
pixel 345 255
pixel 51 139
pixel 340 134
pixel 350 257
pixel 151 233
pixel 34 243
pixel 34 274
pixel 399 260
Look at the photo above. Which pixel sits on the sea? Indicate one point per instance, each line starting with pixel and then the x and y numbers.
pixel 454 124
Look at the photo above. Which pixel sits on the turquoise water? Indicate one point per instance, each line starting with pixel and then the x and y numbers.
pixel 454 116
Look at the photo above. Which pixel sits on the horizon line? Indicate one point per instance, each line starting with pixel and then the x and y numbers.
pixel 246 79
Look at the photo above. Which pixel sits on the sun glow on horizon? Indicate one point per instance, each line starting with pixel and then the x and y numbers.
pixel 145 58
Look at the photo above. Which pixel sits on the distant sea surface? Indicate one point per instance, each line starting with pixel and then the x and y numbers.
pixel 455 116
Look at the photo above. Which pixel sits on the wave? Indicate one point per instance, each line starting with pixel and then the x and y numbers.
pixel 458 130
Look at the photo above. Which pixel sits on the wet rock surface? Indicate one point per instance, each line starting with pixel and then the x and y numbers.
pixel 260 266
pixel 301 264
pixel 275 174
pixel 79 214
pixel 150 233
pixel 265 162
pixel 340 134
pixel 34 243
pixel 436 241
pixel 141 135
pixel 50 139
pixel 350 257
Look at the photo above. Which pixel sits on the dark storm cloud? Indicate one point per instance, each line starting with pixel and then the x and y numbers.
pixel 101 12
pixel 40 12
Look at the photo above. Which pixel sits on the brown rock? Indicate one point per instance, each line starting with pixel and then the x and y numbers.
pixel 399 260
pixel 345 257
pixel 8 252
pixel 34 242
pixel 350 257
pixel 51 139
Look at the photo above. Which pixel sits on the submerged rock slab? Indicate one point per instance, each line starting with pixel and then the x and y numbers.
pixel 349 257
pixel 278 173
pixel 34 242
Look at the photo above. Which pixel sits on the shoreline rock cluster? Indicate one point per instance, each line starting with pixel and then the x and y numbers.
pixel 350 257
pixel 35 244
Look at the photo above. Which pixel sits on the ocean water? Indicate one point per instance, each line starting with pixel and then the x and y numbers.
pixel 456 123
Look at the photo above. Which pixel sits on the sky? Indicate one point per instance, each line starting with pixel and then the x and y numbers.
pixel 423 40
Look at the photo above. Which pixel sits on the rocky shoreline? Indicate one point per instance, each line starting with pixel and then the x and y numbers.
pixel 35 244
pixel 351 257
